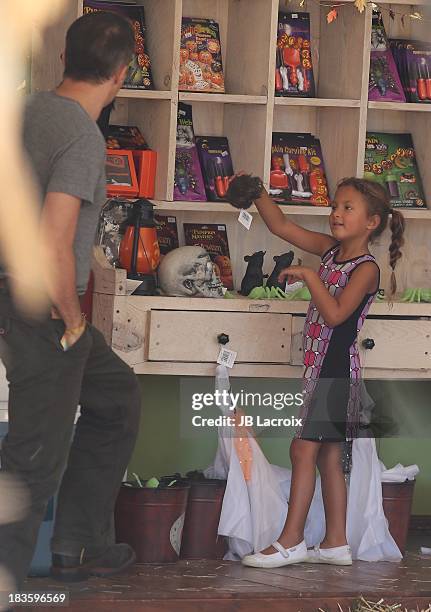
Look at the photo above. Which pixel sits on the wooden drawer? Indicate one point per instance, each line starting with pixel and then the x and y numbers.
pixel 192 336
pixel 297 355
pixel 399 344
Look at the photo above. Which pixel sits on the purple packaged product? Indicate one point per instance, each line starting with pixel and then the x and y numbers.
pixel 139 72
pixel 384 83
pixel 413 59
pixel 398 48
pixel 216 165
pixel 189 184
pixel 405 66
pixel 167 233
pixel 401 57
pixel 399 62
pixel 294 68
pixel 419 68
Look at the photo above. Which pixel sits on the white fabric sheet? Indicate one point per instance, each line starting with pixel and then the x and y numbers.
pixel 399 473
pixel 254 511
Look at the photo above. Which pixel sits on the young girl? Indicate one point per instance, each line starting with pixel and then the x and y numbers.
pixel 341 294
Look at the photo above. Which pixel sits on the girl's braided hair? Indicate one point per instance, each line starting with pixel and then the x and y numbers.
pixel 378 202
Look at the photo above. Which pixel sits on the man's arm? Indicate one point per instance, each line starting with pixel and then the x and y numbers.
pixel 58 223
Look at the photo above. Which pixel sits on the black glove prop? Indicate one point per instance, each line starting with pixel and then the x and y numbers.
pixel 244 190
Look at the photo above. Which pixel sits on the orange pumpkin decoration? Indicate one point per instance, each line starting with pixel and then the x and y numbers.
pixel 227 281
pixel 321 190
pixel 213 46
pixel 190 78
pixel 319 200
pixel 224 264
pixel 277 161
pixel 205 57
pixel 194 57
pixel 217 79
pixel 191 45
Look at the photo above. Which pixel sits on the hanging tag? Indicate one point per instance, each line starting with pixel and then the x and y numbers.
pixel 226 357
pixel 245 218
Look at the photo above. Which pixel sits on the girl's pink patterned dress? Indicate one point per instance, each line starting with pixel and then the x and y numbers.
pixel 332 366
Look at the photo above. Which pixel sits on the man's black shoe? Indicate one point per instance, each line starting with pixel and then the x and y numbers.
pixel 113 561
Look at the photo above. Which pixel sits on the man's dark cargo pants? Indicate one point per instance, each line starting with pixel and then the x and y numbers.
pixel 46 384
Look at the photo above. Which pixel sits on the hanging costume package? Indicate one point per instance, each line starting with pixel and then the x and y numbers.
pixel 255 502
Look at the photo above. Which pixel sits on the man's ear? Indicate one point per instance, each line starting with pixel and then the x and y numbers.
pixel 120 75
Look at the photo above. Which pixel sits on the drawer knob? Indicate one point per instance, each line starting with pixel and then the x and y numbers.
pixel 223 338
pixel 368 343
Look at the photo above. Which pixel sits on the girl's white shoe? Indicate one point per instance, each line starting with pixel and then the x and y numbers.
pixel 284 556
pixel 340 555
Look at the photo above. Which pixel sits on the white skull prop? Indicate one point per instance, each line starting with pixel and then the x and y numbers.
pixel 189 272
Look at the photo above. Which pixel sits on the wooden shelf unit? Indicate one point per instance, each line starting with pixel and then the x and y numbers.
pixel 249 112
pixel 145 95
pixel 317 102
pixel 410 107
pixel 190 96
pixel 225 207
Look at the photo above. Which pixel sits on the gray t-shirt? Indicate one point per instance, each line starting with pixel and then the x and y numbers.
pixel 67 153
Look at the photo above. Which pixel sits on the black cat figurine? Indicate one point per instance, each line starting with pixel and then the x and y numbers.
pixel 253 276
pixel 281 261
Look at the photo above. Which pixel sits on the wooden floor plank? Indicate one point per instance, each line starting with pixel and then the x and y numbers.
pixel 226 586
pixel 215 586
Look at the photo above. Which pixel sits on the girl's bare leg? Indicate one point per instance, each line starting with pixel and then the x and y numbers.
pixel 334 492
pixel 303 455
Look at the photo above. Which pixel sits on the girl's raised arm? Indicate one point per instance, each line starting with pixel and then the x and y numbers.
pixel 245 189
pixel 279 225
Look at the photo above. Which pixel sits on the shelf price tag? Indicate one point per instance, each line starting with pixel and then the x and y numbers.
pixel 226 357
pixel 245 218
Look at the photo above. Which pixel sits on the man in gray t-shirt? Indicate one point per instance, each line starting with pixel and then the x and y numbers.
pixel 67 152
pixel 57 363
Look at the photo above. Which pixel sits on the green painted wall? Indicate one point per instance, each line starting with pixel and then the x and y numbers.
pixel 161 449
